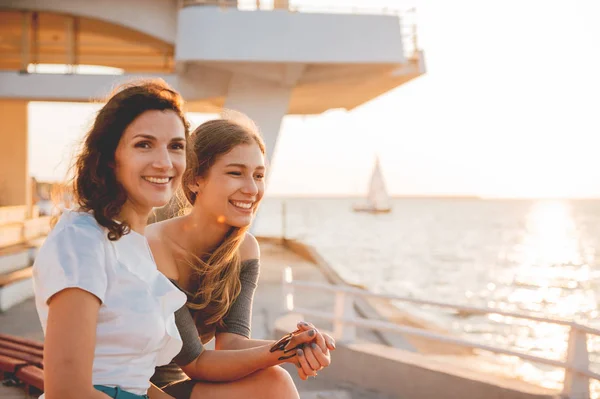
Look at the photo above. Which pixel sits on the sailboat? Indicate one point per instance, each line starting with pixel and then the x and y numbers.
pixel 378 200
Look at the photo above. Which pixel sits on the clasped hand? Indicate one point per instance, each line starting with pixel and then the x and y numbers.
pixel 312 350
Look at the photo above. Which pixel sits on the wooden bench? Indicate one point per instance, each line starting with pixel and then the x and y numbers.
pixel 10 365
pixel 22 349
pixel 32 377
pixel 24 341
pixel 22 362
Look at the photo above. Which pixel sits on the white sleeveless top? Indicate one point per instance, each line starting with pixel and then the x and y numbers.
pixel 136 328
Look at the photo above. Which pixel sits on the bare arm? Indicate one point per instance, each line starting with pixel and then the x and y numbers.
pixel 229 341
pixel 69 345
pixel 231 365
pixel 315 358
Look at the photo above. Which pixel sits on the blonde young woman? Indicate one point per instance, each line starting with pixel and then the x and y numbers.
pixel 212 257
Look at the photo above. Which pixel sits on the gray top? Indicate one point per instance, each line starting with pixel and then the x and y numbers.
pixel 237 321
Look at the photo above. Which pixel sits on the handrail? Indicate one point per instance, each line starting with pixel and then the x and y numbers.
pixel 272 5
pixel 577 371
pixel 386 326
pixel 471 309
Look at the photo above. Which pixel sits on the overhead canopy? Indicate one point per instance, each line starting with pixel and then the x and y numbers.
pixel 32 37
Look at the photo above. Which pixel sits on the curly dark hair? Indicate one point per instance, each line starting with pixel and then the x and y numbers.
pixel 95 185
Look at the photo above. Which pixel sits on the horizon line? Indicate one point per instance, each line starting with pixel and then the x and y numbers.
pixel 434 196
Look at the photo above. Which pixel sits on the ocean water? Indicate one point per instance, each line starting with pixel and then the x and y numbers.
pixel 536 256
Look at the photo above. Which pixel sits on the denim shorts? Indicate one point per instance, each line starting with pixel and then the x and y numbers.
pixel 118 393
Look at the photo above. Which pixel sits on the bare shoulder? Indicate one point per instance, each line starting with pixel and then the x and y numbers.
pixel 249 249
pixel 161 250
pixel 154 234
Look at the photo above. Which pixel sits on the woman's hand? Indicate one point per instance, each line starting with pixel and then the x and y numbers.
pixel 315 355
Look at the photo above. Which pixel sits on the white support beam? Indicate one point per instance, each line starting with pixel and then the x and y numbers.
pixel 64 87
pixel 266 103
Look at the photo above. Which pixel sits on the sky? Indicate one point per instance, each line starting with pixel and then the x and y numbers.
pixel 508 107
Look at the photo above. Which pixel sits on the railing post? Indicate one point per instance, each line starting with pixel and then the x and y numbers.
pixel 415 39
pixel 281 4
pixel 576 386
pixel 283 220
pixel 344 310
pixel 287 289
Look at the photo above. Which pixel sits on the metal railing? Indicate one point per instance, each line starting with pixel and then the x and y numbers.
pixel 407 17
pixel 576 382
pixel 295 6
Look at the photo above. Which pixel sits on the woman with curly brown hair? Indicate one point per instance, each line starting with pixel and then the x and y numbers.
pixel 215 260
pixel 106 311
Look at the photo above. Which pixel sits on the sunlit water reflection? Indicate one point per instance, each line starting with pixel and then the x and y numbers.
pixel 551 277
pixel 537 257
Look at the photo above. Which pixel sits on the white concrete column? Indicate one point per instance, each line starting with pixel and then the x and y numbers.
pixel 15 185
pixel 266 103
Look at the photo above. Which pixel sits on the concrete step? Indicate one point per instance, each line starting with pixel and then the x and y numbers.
pixel 15 287
pixel 15 272
pixel 19 256
pixel 16 257
pixel 36 227
pixel 334 394
pixel 13 214
pixel 21 232
pixel 11 234
pixel 12 392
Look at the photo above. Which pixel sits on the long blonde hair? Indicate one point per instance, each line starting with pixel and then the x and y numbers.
pixel 217 274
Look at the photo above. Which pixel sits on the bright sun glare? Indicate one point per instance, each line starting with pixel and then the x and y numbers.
pixel 552 278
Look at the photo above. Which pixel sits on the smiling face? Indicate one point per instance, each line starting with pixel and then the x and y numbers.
pixel 234 185
pixel 150 159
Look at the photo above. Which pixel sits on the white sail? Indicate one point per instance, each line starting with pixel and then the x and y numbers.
pixel 378 197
